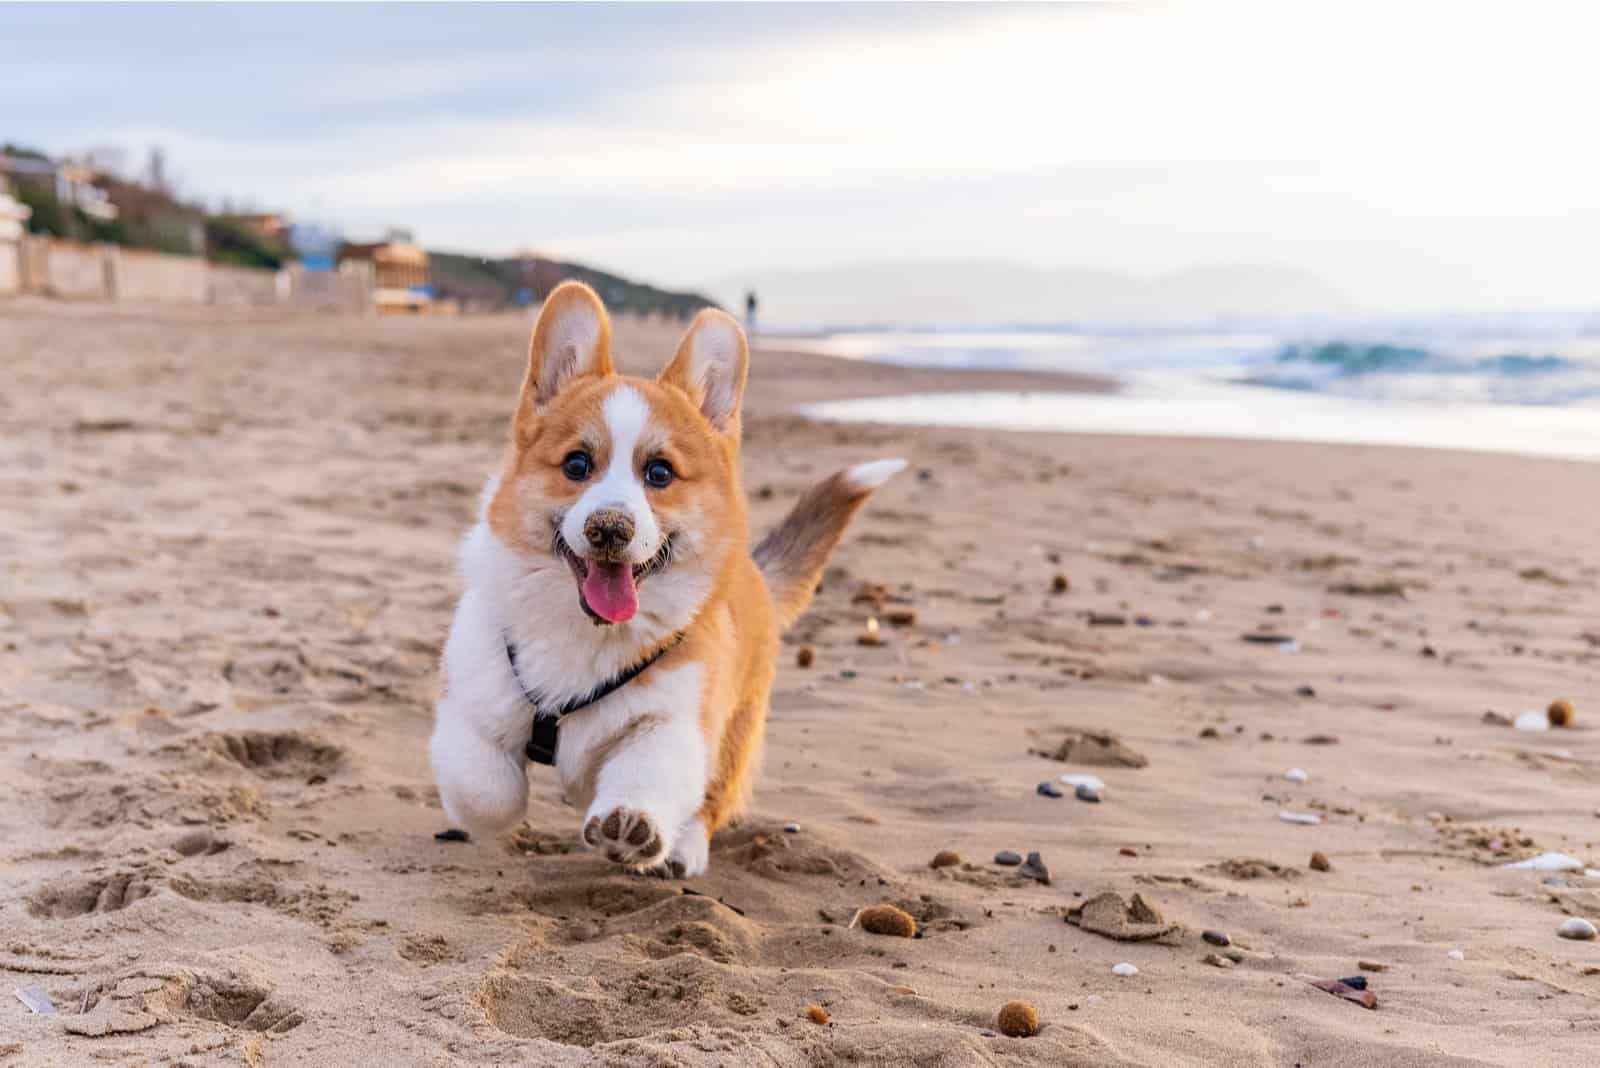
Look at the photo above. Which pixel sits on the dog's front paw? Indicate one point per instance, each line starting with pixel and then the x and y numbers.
pixel 628 835
pixel 690 853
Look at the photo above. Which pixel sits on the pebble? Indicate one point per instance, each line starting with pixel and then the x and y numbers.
pixel 1372 966
pixel 1087 793
pixel 945 858
pixel 1306 818
pixel 1216 960
pixel 1532 721
pixel 1305 691
pixel 792 828
pixel 1456 954
pixel 1577 929
pixel 1547 862
pixel 1296 775
pixel 1034 868
pixel 1060 584
pixel 1124 969
pixel 1008 858
pixel 1560 712
pixel 1049 789
pixel 805 656
pixel 1319 862
pixel 1216 938
pixel 1018 1019
pixel 1355 982
pixel 1093 782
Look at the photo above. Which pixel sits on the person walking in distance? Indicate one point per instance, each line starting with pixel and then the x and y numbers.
pixel 750 311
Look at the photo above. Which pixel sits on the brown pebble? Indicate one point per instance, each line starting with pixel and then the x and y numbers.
pixel 805 657
pixel 1128 851
pixel 1208 732
pixel 817 1014
pixel 888 920
pixel 900 617
pixel 1371 966
pixel 1060 584
pixel 945 858
pixel 1319 862
pixel 1018 1019
pixel 1561 712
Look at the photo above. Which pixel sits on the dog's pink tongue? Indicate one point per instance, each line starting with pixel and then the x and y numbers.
pixel 608 590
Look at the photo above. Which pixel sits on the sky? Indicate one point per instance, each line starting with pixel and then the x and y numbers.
pixel 1412 156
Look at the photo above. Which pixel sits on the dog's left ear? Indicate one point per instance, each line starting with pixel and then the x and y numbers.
pixel 710 366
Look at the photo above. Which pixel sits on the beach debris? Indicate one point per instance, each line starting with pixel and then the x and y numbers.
pixel 1018 1019
pixel 1033 868
pixel 1209 732
pixel 1308 819
pixel 1128 851
pixel 1107 914
pixel 805 656
pixel 1319 861
pixel 1124 969
pixel 870 634
pixel 1080 745
pixel 1372 966
pixel 1008 858
pixel 1087 793
pixel 37 1000
pixel 945 858
pixel 1060 583
pixel 900 617
pixel 1547 862
pixel 1267 637
pixel 1361 996
pixel 1355 982
pixel 1578 929
pixel 1320 739
pixel 886 920
pixel 818 1015
pixel 1217 960
pixel 1496 719
pixel 1560 713
pixel 1532 721
pixel 452 834
pixel 1107 619
pixel 1049 789
pixel 1216 938
pixel 1456 954
pixel 1297 775
pixel 1074 780
pixel 791 828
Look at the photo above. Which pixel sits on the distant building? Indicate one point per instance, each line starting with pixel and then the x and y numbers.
pixel 400 277
pixel 70 183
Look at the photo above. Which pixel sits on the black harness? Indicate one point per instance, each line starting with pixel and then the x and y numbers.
pixel 541 748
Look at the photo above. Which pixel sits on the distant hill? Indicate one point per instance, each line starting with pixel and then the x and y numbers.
pixel 980 291
pixel 477 280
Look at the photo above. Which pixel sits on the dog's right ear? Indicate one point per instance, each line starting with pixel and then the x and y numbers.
pixel 571 339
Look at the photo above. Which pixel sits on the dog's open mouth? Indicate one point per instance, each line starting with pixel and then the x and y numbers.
pixel 608 591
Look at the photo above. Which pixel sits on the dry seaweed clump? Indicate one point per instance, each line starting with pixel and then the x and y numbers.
pixel 945 858
pixel 1018 1020
pixel 887 920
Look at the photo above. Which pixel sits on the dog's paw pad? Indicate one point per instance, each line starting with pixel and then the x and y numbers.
pixel 627 835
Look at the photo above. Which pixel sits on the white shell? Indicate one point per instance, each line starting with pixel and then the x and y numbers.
pixel 1307 818
pixel 1296 775
pixel 1547 862
pixel 1456 954
pixel 1124 969
pixel 1091 781
pixel 1532 721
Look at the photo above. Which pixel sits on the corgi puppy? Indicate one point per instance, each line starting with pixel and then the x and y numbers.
pixel 609 577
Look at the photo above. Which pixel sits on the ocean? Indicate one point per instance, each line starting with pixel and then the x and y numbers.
pixel 1527 384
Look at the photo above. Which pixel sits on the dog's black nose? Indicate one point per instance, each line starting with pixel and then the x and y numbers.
pixel 608 532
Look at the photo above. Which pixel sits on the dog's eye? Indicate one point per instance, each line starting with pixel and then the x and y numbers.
pixel 577 466
pixel 659 473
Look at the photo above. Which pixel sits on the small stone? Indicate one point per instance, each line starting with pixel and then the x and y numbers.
pixel 805 657
pixel 1209 732
pixel 1060 584
pixel 1049 789
pixel 1128 851
pixel 1296 775
pixel 1008 858
pixel 1319 862
pixel 1034 868
pixel 1372 966
pixel 1018 1019
pixel 1216 960
pixel 1085 792
pixel 1075 780
pixel 1216 938
pixel 870 635
pixel 900 617
pixel 1124 969
pixel 1308 819
pixel 1304 691
pixel 1532 721
pixel 791 828
pixel 1234 955
pixel 887 920
pixel 453 834
pixel 1577 929
pixel 945 858
pixel 1355 982
pixel 817 1015
pixel 1560 712
pixel 1456 954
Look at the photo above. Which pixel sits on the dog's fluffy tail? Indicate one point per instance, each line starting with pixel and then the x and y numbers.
pixel 794 553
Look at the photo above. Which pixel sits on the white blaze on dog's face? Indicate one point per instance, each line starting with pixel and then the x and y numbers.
pixel 630 484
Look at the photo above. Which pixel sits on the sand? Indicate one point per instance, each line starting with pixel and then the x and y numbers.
pixel 227 543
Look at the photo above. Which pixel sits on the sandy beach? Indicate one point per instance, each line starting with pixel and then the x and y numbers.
pixel 227 565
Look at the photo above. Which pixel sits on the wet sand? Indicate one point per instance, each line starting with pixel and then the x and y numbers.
pixel 227 546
